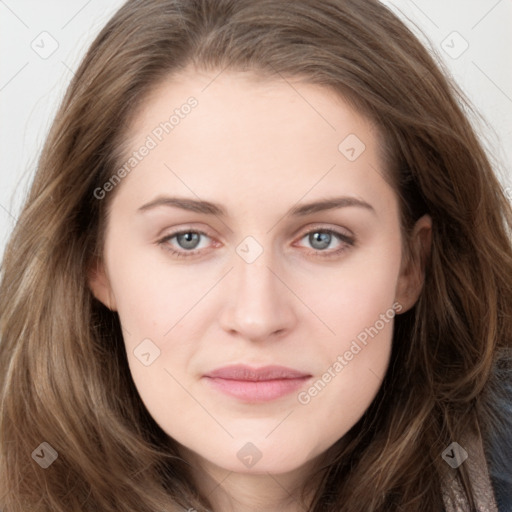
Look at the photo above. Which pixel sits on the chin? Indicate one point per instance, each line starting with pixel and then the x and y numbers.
pixel 249 459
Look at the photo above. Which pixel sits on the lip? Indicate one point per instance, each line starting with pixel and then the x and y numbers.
pixel 256 384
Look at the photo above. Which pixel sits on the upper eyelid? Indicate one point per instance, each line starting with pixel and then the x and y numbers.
pixel 184 231
pixel 318 227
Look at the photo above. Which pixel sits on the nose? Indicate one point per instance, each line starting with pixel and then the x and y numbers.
pixel 260 306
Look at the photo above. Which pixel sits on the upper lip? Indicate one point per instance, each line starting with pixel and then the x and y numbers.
pixel 244 372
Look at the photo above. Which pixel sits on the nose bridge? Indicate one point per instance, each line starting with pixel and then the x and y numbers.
pixel 255 281
pixel 260 304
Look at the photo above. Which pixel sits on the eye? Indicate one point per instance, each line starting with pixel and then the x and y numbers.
pixel 187 240
pixel 321 239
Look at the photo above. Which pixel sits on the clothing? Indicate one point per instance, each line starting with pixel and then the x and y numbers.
pixel 499 441
pixel 489 461
pixel 479 474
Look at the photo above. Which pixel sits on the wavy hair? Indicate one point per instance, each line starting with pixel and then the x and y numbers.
pixel 64 376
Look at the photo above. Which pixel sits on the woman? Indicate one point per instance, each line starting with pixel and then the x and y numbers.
pixel 168 343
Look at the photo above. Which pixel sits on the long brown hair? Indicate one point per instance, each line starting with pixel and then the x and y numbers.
pixel 64 373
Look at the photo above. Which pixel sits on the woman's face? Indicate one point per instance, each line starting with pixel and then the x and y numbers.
pixel 290 256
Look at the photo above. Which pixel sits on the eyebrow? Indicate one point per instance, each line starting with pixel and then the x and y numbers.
pixel 210 208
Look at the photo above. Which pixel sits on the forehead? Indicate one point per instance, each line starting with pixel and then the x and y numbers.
pixel 231 98
pixel 274 139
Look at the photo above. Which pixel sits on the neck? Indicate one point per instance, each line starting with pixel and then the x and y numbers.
pixel 230 491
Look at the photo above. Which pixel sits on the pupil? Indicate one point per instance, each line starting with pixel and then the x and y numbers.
pixel 188 240
pixel 321 240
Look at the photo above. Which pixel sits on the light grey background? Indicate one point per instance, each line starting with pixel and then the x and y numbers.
pixel 42 42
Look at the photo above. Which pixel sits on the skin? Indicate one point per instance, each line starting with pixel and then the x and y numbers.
pixel 258 148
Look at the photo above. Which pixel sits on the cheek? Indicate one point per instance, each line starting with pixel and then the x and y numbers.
pixel 156 306
pixel 353 296
pixel 352 368
pixel 156 309
pixel 152 295
pixel 359 305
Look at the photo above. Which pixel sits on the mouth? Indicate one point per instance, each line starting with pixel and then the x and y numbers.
pixel 256 384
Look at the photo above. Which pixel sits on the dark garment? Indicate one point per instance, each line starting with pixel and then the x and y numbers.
pixel 498 445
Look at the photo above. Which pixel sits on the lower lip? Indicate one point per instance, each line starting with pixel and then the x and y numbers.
pixel 257 391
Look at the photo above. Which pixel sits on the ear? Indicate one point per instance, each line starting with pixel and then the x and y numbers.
pixel 99 285
pixel 412 273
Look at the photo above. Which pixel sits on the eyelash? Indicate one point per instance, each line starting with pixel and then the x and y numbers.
pixel 345 239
